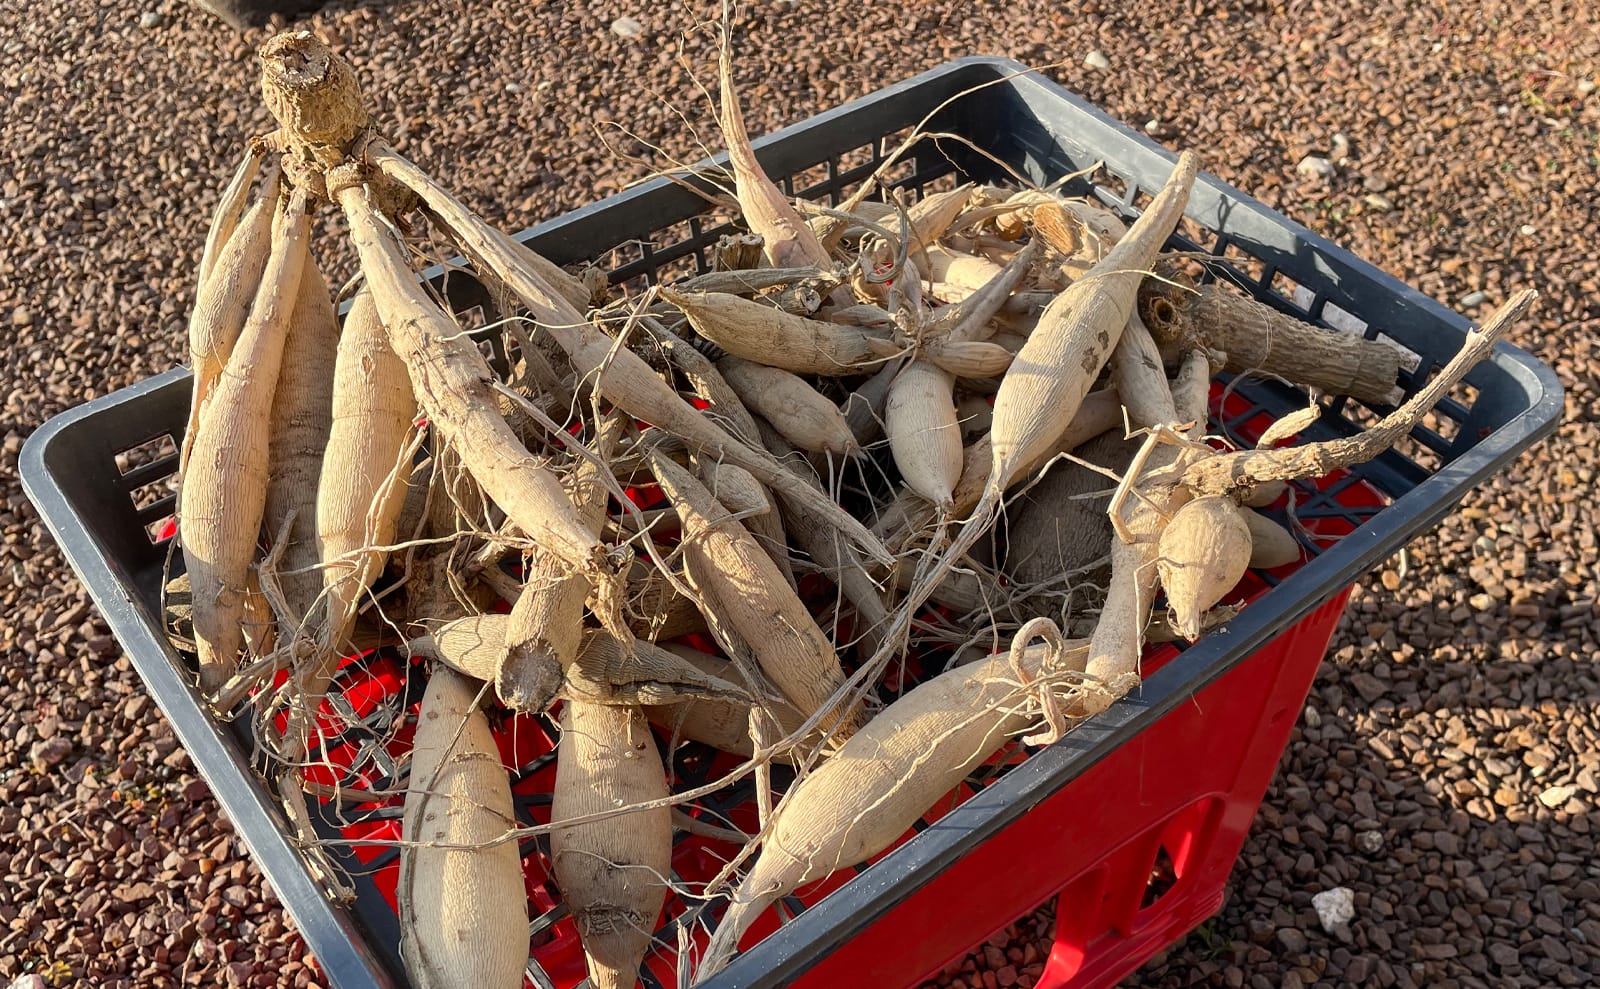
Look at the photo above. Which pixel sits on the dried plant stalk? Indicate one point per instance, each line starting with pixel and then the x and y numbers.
pixel 720 722
pixel 1257 337
pixel 1237 473
pixel 1116 645
pixel 642 673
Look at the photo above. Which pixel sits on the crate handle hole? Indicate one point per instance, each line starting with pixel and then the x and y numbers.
pixel 1163 876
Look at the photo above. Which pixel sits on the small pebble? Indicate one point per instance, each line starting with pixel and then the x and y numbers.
pixel 1335 907
pixel 1293 941
pixel 1473 299
pixel 1585 87
pixel 1316 167
pixel 1097 61
pixel 627 27
pixel 150 19
pixel 1527 230
pixel 1380 203
pixel 1370 842
pixel 1556 796
pixel 49 752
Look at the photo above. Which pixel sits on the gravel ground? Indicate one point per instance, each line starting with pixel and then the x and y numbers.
pixel 1457 713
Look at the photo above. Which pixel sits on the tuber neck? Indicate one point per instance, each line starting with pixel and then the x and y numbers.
pixel 313 93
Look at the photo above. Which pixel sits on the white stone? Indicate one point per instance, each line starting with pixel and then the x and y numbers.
pixel 1585 87
pixel 1370 841
pixel 1473 299
pixel 1096 61
pixel 627 27
pixel 1527 230
pixel 1316 167
pixel 1335 907
pixel 149 19
pixel 1555 796
pixel 1380 203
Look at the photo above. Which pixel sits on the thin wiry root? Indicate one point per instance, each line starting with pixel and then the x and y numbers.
pixel 1055 722
pixel 1134 476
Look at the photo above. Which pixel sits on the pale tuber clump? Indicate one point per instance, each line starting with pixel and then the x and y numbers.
pixel 1204 551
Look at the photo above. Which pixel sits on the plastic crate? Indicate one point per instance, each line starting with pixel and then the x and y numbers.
pixel 1134 819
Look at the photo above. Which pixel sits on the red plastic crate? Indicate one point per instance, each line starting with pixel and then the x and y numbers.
pixel 1147 865
pixel 1184 792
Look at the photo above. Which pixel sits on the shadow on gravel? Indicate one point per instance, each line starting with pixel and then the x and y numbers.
pixel 243 15
pixel 1454 824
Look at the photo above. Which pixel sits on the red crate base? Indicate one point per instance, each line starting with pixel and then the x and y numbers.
pixel 1167 814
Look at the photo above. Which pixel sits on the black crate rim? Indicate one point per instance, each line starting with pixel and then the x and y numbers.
pixel 336 942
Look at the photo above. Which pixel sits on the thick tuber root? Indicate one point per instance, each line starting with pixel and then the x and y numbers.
pixel 463 912
pixel 1256 337
pixel 449 377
